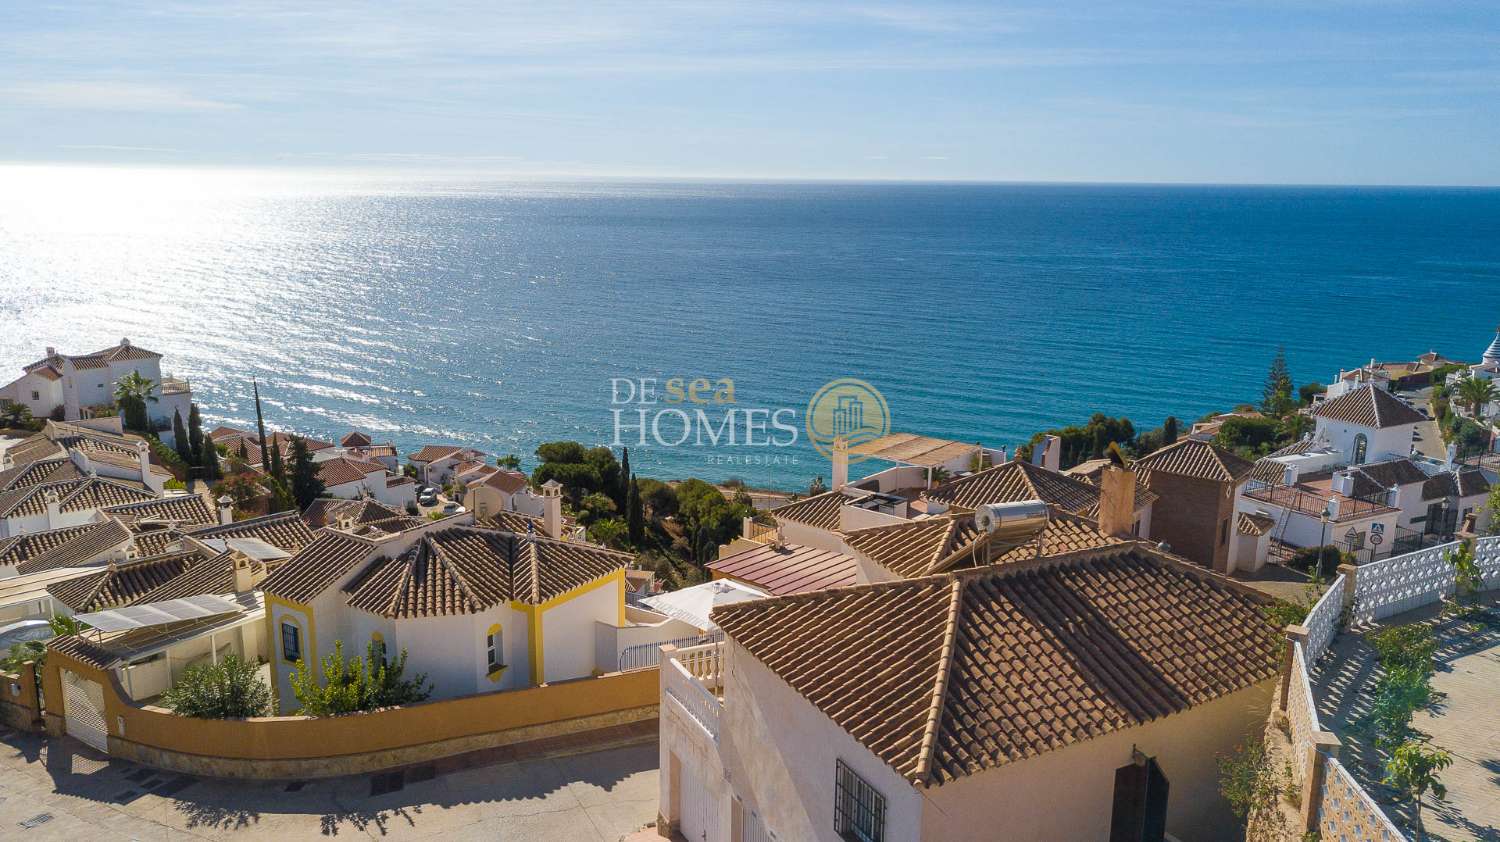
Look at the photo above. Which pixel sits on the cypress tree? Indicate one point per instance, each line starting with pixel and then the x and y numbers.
pixel 210 462
pixel 306 487
pixel 622 493
pixel 244 453
pixel 278 472
pixel 195 433
pixel 1169 431
pixel 635 514
pixel 260 428
pixel 180 439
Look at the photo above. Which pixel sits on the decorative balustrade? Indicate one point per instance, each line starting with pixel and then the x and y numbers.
pixel 1402 583
pixel 1322 621
pixel 647 655
pixel 1301 710
pixel 704 662
pixel 1487 557
pixel 682 685
pixel 1347 812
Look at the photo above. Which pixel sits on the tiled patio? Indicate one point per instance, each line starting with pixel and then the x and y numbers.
pixel 1465 721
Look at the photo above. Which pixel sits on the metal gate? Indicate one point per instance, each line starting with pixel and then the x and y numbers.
pixel 696 807
pixel 83 711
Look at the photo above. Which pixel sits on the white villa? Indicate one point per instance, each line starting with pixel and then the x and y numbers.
pixel 1036 696
pixel 438 463
pixel 76 383
pixel 1355 482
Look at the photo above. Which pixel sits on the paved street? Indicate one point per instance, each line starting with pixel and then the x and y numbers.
pixel 62 790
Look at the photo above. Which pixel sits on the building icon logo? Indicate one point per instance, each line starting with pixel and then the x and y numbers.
pixel 850 409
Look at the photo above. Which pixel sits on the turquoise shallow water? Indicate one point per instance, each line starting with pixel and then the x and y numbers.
pixel 496 314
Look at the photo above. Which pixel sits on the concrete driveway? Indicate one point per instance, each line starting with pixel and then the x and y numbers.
pixel 63 790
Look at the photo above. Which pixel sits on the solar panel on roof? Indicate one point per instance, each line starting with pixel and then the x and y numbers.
pixel 158 613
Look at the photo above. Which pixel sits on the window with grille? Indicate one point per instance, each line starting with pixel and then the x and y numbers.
pixel 291 642
pixel 858 810
pixel 493 648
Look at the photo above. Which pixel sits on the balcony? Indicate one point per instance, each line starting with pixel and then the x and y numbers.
pixel 691 684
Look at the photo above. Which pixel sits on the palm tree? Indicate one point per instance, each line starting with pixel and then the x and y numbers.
pixel 1477 393
pixel 132 392
pixel 16 415
pixel 937 475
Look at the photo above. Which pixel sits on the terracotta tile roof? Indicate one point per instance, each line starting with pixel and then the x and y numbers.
pixel 96 540
pixel 124 352
pixel 1017 480
pixel 1467 484
pixel 947 542
pixel 508 482
pixel 33 448
pixel 154 541
pixel 821 511
pixel 467 570
pixel 946 676
pixel 66 547
pixel 912 549
pixel 122 584
pixel 1268 471
pixel 513 522
pixel 1197 459
pixel 355 438
pixel 341 469
pixel 326 511
pixel 73 496
pixel 1253 524
pixel 1368 406
pixel 218 434
pixel 331 556
pixel 1383 475
pixel 282 530
pixel 393 482
pixel 213 576
pixel 434 452
pixel 40 471
pixel 789 568
pixel 1295 448
pixel 183 509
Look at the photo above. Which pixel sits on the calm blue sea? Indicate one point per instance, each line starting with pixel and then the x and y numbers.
pixel 496 314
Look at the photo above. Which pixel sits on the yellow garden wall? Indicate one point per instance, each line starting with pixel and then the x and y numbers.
pixel 297 746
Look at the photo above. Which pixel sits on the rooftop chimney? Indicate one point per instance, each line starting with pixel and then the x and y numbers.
pixel 552 508
pixel 226 510
pixel 1048 453
pixel 51 351
pixel 54 510
pixel 840 457
pixel 1117 501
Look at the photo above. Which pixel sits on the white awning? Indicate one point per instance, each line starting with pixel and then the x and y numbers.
pixel 694 604
pixel 159 613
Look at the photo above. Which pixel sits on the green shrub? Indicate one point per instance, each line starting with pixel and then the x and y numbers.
pixel 1409 647
pixel 230 689
pixel 367 683
pixel 1325 560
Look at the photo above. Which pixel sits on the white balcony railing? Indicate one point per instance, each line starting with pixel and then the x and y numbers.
pixel 683 686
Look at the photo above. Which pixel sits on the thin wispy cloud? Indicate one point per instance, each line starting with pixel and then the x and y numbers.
pixel 1150 91
pixel 108 96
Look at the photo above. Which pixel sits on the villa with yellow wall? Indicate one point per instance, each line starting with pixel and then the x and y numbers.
pixel 476 609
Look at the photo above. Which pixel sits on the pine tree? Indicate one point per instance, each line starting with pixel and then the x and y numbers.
pixel 1276 397
pixel 1169 431
pixel 180 439
pixel 260 429
pixel 306 487
pixel 635 514
pixel 195 433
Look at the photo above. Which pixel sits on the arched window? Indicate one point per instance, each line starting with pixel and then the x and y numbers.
pixel 1361 444
pixel 494 644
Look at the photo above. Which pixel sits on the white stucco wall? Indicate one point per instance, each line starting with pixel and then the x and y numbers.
pixel 1068 793
pixel 568 630
pixel 1383 444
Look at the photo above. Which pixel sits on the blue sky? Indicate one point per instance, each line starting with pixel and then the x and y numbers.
pixel 1264 92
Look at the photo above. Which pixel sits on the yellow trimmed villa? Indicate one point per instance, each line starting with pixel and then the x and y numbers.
pixel 476 609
